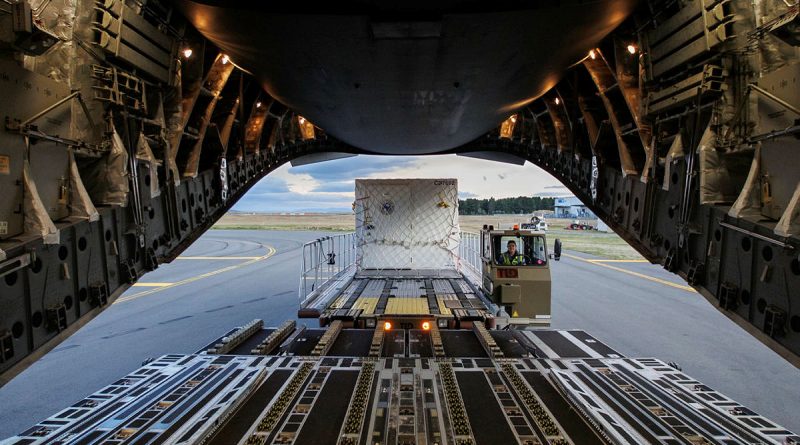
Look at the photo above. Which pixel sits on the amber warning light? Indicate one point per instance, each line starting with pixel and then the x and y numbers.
pixel 426 326
pixel 387 326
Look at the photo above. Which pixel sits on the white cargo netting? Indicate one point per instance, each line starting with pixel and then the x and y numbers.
pixel 407 223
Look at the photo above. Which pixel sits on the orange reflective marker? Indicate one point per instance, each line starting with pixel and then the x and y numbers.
pixel 387 326
pixel 426 326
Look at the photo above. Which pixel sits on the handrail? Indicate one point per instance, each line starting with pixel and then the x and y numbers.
pixel 325 259
pixel 469 252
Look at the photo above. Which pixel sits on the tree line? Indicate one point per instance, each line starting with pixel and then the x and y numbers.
pixel 491 206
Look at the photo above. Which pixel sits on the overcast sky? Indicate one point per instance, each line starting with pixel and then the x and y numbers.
pixel 328 186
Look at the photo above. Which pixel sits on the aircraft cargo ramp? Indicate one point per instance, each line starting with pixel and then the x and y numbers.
pixel 405 386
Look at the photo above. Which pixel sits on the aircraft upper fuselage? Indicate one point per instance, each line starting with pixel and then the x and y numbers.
pixel 435 78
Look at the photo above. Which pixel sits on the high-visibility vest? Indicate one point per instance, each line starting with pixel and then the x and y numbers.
pixel 508 260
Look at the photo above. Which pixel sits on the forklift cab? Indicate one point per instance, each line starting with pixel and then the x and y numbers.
pixel 529 250
pixel 516 273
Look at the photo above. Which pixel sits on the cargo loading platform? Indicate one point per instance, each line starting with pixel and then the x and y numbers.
pixel 366 298
pixel 294 385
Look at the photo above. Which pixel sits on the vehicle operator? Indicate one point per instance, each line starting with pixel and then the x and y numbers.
pixel 511 257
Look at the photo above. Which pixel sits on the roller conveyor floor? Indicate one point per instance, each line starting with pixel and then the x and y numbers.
pixel 482 387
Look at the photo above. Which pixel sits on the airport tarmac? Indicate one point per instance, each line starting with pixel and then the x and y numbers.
pixel 228 278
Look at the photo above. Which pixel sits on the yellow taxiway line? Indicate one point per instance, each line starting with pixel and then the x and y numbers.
pixel 630 272
pixel 616 261
pixel 157 287
pixel 218 257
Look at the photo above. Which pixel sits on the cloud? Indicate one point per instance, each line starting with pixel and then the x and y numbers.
pixel 294 202
pixel 288 190
pixel 341 186
pixel 270 184
pixel 353 167
pixel 328 186
pixel 477 176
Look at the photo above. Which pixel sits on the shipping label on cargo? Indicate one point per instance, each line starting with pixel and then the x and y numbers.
pixel 5 164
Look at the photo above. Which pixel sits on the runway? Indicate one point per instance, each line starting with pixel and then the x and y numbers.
pixel 228 278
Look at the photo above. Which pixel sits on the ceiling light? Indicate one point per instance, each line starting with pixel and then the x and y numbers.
pixel 507 127
pixel 306 128
pixel 631 49
pixel 187 52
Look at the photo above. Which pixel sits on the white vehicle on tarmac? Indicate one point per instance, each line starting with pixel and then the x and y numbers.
pixel 537 223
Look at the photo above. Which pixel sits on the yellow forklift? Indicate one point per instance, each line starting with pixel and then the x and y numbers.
pixel 516 273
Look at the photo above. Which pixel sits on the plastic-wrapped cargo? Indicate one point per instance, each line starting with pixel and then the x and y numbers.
pixel 406 223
